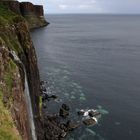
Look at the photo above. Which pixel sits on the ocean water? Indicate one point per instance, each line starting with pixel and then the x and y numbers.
pixel 93 61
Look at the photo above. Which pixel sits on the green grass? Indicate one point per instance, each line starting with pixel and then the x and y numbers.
pixel 8 75
pixel 8 130
pixel 11 41
pixel 7 127
pixel 8 17
pixel 3 21
pixel 8 80
pixel 40 104
pixel 12 65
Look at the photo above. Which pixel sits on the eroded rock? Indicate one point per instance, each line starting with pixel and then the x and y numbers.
pixel 72 125
pixel 65 107
pixel 81 112
pixel 94 113
pixel 90 121
pixel 63 113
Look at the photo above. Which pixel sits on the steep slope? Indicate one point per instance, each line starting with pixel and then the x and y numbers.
pixel 15 115
pixel 34 14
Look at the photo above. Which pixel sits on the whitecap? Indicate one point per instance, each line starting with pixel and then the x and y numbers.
pixel 73 97
pixel 103 111
pixel 82 98
pixel 93 133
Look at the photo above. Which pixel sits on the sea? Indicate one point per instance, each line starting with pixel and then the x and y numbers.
pixel 93 62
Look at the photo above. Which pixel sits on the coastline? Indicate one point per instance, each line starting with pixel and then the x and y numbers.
pixel 26 99
pixel 15 37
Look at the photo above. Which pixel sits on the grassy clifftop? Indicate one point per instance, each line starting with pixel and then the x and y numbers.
pixel 7 16
pixel 7 20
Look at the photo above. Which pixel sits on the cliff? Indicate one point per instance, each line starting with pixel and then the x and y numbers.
pixel 34 14
pixel 19 76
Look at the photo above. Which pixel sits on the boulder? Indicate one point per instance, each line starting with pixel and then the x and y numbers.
pixel 89 121
pixel 45 97
pixel 63 134
pixel 93 113
pixel 63 113
pixel 65 107
pixel 53 96
pixel 44 105
pixel 81 112
pixel 71 125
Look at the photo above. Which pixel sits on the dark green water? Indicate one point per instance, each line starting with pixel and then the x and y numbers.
pixel 90 61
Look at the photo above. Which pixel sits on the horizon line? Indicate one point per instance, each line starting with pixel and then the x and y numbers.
pixel 91 13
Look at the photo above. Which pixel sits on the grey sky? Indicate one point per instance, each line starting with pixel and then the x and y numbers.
pixel 89 6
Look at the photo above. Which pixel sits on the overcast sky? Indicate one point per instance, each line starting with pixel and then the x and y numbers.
pixel 89 6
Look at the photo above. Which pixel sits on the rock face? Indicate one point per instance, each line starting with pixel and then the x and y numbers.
pixel 28 8
pixel 39 10
pixel 64 111
pixel 12 5
pixel 34 14
pixel 15 37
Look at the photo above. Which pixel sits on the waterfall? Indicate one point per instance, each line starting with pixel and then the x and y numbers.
pixel 27 97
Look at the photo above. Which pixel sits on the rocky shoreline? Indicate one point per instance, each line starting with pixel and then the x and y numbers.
pixel 57 126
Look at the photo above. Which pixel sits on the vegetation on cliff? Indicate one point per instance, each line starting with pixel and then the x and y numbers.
pixel 14 36
pixel 7 16
pixel 8 130
pixel 7 126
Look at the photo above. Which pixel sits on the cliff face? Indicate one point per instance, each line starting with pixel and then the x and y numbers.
pixel 13 5
pixel 34 14
pixel 18 68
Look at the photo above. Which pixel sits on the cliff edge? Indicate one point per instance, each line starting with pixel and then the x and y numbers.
pixel 20 115
pixel 34 14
